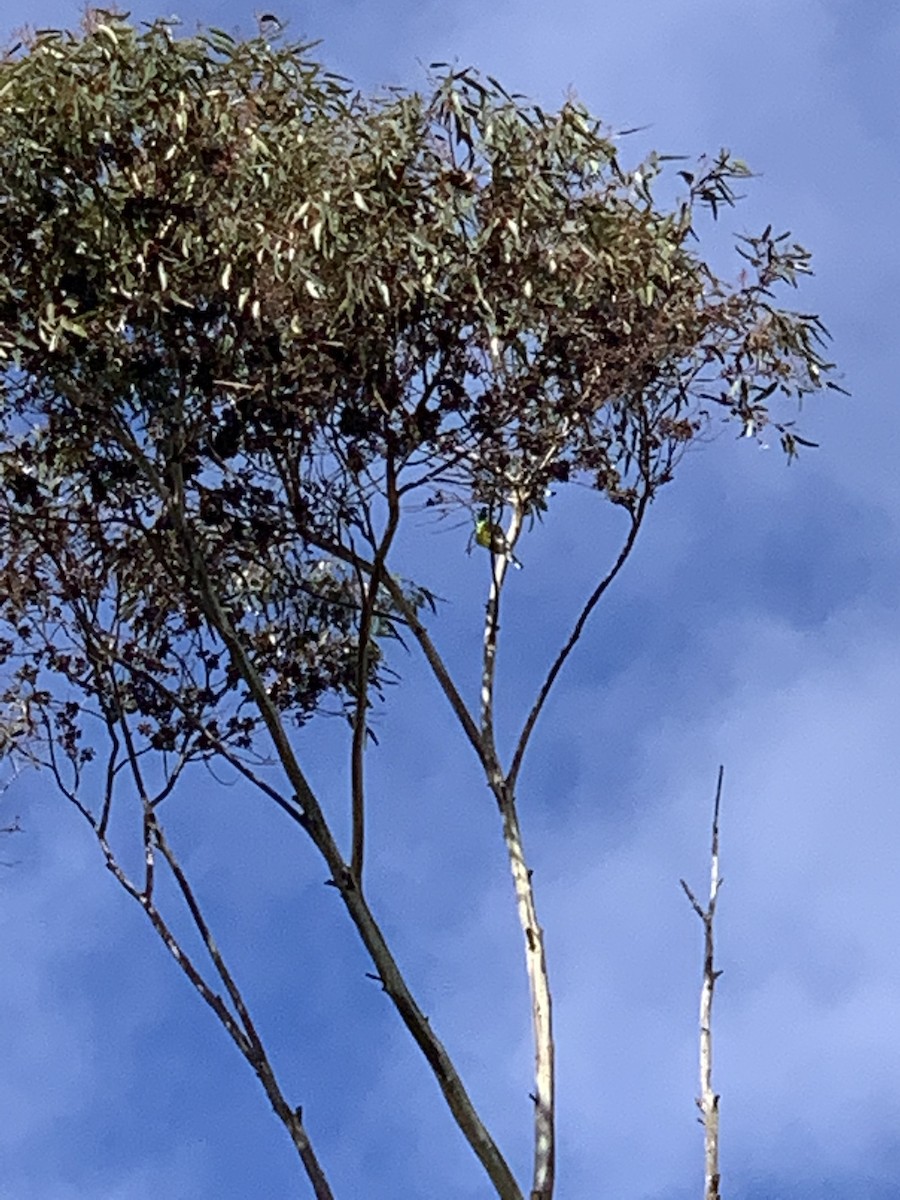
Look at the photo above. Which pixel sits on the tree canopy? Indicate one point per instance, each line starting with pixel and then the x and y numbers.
pixel 251 319
pixel 241 306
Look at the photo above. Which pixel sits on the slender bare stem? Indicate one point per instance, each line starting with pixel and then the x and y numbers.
pixel 240 1028
pixel 14 827
pixel 439 669
pixel 499 567
pixel 559 662
pixel 422 636
pixel 357 753
pixel 708 1100
pixel 255 1050
pixel 535 960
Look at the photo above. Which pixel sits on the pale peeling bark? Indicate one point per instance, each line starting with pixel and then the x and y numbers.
pixel 535 960
pixel 708 1100
pixel 541 1011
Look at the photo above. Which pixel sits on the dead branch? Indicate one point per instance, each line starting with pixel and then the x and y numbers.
pixel 708 1100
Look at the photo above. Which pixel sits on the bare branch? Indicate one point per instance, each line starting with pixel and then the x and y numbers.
pixel 559 662
pixel 158 839
pixel 370 593
pixel 499 567
pixel 438 667
pixel 422 636
pixel 251 1044
pixel 708 1100
pixel 14 826
pixel 314 823
pixel 243 1034
pixel 242 1031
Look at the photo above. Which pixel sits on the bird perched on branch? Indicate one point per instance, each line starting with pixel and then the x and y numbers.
pixel 492 537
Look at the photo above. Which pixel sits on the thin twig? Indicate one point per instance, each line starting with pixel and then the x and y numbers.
pixel 577 630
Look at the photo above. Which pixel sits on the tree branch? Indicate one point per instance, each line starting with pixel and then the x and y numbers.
pixel 241 1031
pixel 246 1038
pixel 708 1100
pixel 253 1048
pixel 559 662
pixel 544 1172
pixel 422 636
pixel 357 753
pixel 499 566
pixel 314 822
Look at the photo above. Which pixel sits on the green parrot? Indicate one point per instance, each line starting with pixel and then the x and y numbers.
pixel 493 538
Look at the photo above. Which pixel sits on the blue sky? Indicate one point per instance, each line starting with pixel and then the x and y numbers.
pixel 756 626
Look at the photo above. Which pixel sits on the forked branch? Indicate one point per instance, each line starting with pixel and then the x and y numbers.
pixel 708 1100
pixel 543 1097
pixel 315 824
pixel 236 1019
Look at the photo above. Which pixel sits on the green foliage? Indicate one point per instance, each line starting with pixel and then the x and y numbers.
pixel 247 314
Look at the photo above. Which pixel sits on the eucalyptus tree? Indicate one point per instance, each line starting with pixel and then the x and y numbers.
pixel 250 322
